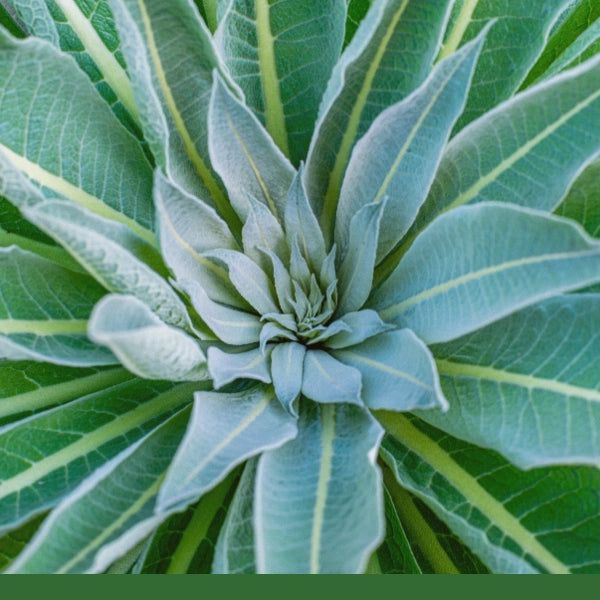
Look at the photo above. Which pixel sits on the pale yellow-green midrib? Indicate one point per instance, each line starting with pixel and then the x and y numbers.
pixel 416 441
pixel 44 327
pixel 461 23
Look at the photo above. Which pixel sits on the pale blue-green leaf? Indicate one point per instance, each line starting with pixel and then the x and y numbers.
pixel 356 270
pixel 188 227
pixel 244 155
pixel 361 325
pixel 230 325
pixel 119 497
pixel 95 242
pixel 234 552
pixel 318 506
pixel 299 270
pixel 327 380
pixel 513 45
pixel 225 367
pixel 273 331
pixel 46 456
pixel 86 30
pixel 31 387
pixel 281 54
pixel 248 278
pixel 282 283
pixel 516 521
pixel 44 311
pixel 527 151
pixel 262 231
pixel 224 431
pixel 302 224
pixel 397 372
pixel 323 333
pixel 582 202
pixel 287 367
pixel 528 386
pixel 143 343
pixel 55 120
pixel 172 94
pixel 447 286
pixel 405 139
pixel 389 56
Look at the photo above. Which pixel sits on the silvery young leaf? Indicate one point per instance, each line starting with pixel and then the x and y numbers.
pixel 527 386
pixel 511 48
pixel 234 551
pixel 527 151
pixel 582 202
pixel 143 343
pixel 224 431
pixel 188 227
pixel 95 242
pixel 573 22
pixel 227 367
pixel 397 372
pixel 389 56
pixel 56 116
pixel 86 30
pixel 361 325
pixel 302 224
pixel 543 520
pixel 46 456
pixel 31 387
pixel 249 279
pixel 230 325
pixel 185 542
pixel 172 94
pixel 445 287
pixel 299 270
pixel 287 367
pixel 282 283
pixel 405 139
pixel 44 310
pixel 326 380
pixel 244 154
pixel 356 271
pixel 318 506
pixel 281 54
pixel 13 542
pixel 115 504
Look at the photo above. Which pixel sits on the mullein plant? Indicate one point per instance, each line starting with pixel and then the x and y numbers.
pixel 299 286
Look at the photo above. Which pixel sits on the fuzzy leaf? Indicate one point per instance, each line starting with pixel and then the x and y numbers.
pixel 397 372
pixel 318 506
pixel 287 367
pixel 143 343
pixel 283 85
pixel 445 287
pixel 224 431
pixel 226 367
pixel 359 326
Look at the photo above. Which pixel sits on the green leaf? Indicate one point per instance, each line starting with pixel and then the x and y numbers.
pixel 56 116
pixel 10 21
pixel 171 93
pixel 389 56
pixel 528 151
pixel 13 542
pixel 44 310
pixel 102 248
pixel 544 520
pixel 109 513
pixel 287 368
pixel 234 551
pixel 244 154
pixel 184 543
pixel 30 387
pixel 224 431
pixel 397 372
pixel 226 367
pixel 514 43
pixel 527 386
pixel 46 456
pixel 283 85
pixel 86 30
pixel 143 343
pixel 318 505
pixel 405 139
pixel 446 287
pixel 357 9
pixel 327 380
